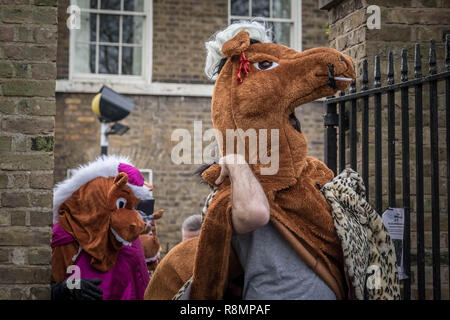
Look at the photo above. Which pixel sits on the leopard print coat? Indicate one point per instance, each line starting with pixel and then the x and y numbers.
pixel 369 253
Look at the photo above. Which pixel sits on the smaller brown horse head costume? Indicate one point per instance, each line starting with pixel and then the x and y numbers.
pixel 258 87
pixel 96 206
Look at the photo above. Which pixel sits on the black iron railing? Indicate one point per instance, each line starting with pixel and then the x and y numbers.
pixel 344 121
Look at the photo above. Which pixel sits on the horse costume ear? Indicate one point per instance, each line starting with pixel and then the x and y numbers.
pixel 236 45
pixel 121 179
pixel 158 214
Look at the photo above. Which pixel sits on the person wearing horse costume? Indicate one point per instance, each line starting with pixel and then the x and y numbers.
pixel 97 223
pixel 272 232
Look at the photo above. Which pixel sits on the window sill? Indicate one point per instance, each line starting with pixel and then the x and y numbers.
pixel 153 89
pixel 136 88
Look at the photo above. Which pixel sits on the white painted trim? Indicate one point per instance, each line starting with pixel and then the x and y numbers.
pixel 154 89
pixel 147 50
pixel 297 16
pixel 137 88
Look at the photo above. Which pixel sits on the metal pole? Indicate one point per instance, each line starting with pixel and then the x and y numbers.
pixel 104 138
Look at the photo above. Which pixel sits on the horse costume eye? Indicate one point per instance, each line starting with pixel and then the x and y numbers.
pixel 265 65
pixel 121 203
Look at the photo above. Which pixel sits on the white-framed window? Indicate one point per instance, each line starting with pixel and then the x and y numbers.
pixel 283 16
pixel 113 42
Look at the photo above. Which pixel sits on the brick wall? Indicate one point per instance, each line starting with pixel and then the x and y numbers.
pixel 314 25
pixel 403 23
pixel 27 109
pixel 180 30
pixel 311 120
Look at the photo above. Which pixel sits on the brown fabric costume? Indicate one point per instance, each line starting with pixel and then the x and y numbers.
pixel 150 243
pixel 91 225
pixel 264 100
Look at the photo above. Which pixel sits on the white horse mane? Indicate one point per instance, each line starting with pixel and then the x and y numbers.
pixel 214 54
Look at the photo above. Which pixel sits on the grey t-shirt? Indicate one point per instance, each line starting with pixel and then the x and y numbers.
pixel 274 271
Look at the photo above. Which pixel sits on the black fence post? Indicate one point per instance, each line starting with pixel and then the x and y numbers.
pixel 391 132
pixel 377 118
pixel 406 179
pixel 434 177
pixel 330 122
pixel 419 176
pixel 447 125
pixel 353 134
pixel 365 129
pixel 342 127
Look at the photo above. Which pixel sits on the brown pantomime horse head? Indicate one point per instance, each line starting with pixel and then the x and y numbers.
pixel 278 80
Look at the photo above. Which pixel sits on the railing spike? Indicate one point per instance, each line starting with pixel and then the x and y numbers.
pixel 390 68
pixel 365 79
pixel 432 58
pixel 417 62
pixel 377 72
pixel 404 67
pixel 447 52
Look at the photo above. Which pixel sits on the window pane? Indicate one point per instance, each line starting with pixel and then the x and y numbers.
pixel 110 4
pixel 132 29
pixel 260 8
pixel 133 5
pixel 86 4
pixel 131 60
pixel 281 9
pixel 92 50
pixel 282 33
pixel 109 28
pixel 84 58
pixel 88 24
pixel 239 7
pixel 108 59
